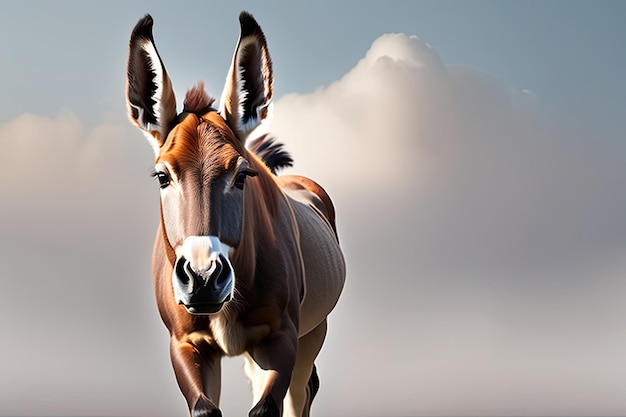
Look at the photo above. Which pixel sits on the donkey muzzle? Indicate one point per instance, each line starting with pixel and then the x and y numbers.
pixel 203 277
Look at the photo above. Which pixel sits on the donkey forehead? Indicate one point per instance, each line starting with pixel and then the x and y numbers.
pixel 200 143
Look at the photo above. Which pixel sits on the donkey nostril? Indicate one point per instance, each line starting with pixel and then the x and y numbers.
pixel 189 270
pixel 180 270
pixel 222 272
pixel 185 274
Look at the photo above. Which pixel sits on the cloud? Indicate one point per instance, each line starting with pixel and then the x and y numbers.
pixel 76 303
pixel 483 242
pixel 469 154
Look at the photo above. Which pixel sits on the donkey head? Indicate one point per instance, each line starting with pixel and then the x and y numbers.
pixel 201 160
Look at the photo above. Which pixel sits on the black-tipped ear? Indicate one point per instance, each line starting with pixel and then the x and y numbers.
pixel 249 85
pixel 149 94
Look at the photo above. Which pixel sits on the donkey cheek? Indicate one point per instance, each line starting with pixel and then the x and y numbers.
pixel 171 216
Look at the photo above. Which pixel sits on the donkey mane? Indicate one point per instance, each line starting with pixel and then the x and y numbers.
pixel 197 100
pixel 272 153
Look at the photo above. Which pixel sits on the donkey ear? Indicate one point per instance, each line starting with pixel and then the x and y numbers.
pixel 249 86
pixel 149 94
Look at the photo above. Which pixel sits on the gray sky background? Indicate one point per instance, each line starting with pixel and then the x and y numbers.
pixel 479 174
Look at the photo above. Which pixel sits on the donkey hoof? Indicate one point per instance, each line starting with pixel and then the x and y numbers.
pixel 205 408
pixel 265 408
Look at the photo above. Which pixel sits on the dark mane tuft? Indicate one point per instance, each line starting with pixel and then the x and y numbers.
pixel 197 100
pixel 272 153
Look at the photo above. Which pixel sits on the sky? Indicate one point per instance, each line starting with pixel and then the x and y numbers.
pixel 475 154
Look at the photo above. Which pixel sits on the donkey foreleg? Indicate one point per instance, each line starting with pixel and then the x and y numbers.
pixel 269 367
pixel 198 378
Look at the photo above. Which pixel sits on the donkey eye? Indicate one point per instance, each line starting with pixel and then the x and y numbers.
pixel 163 178
pixel 240 178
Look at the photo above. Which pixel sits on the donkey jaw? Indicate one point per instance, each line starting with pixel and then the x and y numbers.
pixel 203 278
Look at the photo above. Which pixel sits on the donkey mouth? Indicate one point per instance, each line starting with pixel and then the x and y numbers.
pixel 203 309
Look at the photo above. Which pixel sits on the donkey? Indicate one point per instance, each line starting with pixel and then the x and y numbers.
pixel 245 262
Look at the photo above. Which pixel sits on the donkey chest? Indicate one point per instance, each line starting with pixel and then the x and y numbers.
pixel 233 336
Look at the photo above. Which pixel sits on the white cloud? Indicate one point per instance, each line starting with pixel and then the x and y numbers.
pixel 457 145
pixel 81 332
pixel 483 241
